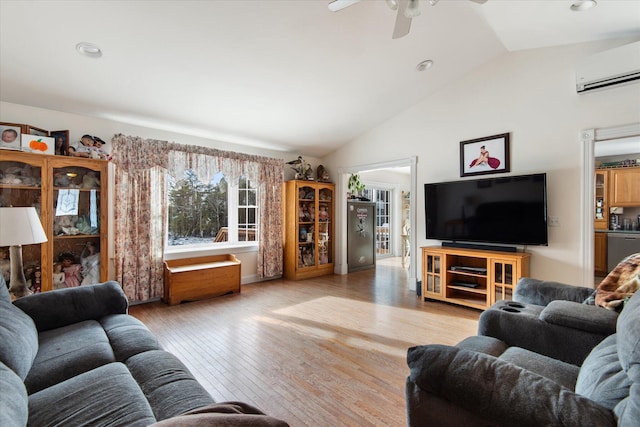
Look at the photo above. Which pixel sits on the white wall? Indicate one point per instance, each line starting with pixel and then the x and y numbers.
pixel 530 94
pixel 105 129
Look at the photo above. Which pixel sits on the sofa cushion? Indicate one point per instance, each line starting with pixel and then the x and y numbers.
pixel 629 338
pixel 68 351
pixel 128 336
pixel 580 316
pixel 18 339
pixel 601 377
pixel 51 310
pixel 560 372
pixel 105 396
pixel 13 403
pixel 481 344
pixel 167 384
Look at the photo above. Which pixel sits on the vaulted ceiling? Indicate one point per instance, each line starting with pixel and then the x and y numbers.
pixel 287 75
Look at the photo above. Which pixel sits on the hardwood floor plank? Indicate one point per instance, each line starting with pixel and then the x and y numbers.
pixel 326 351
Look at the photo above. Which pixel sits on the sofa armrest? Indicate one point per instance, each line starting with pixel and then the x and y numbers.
pixel 540 292
pixel 499 391
pixel 587 318
pixel 62 307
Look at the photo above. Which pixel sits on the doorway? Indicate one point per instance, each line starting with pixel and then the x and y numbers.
pixel 341 231
pixel 605 139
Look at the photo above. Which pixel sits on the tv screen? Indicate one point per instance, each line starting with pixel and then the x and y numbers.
pixel 507 210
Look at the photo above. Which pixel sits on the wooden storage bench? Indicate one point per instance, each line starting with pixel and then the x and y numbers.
pixel 191 279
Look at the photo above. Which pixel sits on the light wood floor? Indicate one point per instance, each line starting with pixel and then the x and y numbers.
pixel 321 352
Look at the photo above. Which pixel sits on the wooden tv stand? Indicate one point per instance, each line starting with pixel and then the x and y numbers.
pixel 471 277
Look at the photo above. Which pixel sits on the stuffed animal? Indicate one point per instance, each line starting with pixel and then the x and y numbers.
pixel 90 180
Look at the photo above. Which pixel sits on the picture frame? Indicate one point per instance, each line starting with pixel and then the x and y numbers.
pixel 31 130
pixel 38 144
pixel 484 156
pixel 10 136
pixel 61 138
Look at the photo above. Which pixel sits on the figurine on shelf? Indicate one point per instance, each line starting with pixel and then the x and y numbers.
pixel 72 277
pixel 90 180
pixel 302 168
pixel 102 154
pixel 58 276
pixel 84 147
pixel 83 225
pixel 36 280
pixel 322 174
pixel 323 215
pixel 90 259
pixel 60 179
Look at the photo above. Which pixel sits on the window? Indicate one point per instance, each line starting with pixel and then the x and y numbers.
pixel 217 212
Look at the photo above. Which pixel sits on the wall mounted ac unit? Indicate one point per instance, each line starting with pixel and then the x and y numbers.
pixel 609 68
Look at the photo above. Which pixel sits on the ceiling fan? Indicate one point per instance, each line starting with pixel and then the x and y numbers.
pixel 407 10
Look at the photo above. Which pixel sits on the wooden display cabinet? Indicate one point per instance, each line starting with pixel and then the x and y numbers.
pixel 70 194
pixel 471 277
pixel 308 208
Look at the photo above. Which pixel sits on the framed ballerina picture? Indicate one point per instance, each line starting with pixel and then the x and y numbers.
pixel 484 156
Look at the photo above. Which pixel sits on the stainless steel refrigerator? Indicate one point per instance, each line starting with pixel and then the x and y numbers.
pixel 361 235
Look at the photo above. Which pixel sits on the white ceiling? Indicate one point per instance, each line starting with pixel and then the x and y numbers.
pixel 286 75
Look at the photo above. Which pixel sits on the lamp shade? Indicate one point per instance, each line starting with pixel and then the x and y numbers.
pixel 20 226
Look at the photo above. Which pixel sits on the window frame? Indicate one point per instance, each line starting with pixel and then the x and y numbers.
pixel 213 248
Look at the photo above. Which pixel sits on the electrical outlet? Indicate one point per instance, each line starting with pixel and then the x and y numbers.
pixel 554 221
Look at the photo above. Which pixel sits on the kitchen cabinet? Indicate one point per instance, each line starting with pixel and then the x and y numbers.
pixel 600 261
pixel 624 186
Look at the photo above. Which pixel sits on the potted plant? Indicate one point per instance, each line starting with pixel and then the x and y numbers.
pixel 355 186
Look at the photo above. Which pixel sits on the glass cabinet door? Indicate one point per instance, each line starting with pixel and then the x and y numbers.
pixel 306 226
pixel 325 226
pixel 503 280
pixel 21 186
pixel 76 226
pixel 432 279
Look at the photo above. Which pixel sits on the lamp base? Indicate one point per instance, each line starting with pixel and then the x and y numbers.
pixel 18 285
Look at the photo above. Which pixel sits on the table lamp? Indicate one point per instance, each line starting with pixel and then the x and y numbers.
pixel 19 226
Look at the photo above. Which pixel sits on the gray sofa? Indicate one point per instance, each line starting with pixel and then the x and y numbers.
pixel 74 357
pixel 483 381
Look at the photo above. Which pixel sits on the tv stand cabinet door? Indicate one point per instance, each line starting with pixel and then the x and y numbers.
pixel 432 274
pixel 504 275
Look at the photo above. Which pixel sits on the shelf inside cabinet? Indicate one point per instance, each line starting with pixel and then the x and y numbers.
pixel 478 290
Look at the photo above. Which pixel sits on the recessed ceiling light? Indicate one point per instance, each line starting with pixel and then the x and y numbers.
pixel 424 65
pixel 89 49
pixel 582 5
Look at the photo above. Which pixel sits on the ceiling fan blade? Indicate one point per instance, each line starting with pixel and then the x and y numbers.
pixel 337 5
pixel 479 1
pixel 403 24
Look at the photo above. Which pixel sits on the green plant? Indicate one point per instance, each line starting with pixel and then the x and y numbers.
pixel 354 184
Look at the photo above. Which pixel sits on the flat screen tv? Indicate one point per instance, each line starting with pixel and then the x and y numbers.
pixel 508 210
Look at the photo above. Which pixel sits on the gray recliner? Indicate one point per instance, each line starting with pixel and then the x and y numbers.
pixel 483 381
pixel 549 318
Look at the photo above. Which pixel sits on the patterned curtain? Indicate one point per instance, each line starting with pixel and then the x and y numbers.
pixel 141 208
pixel 140 215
